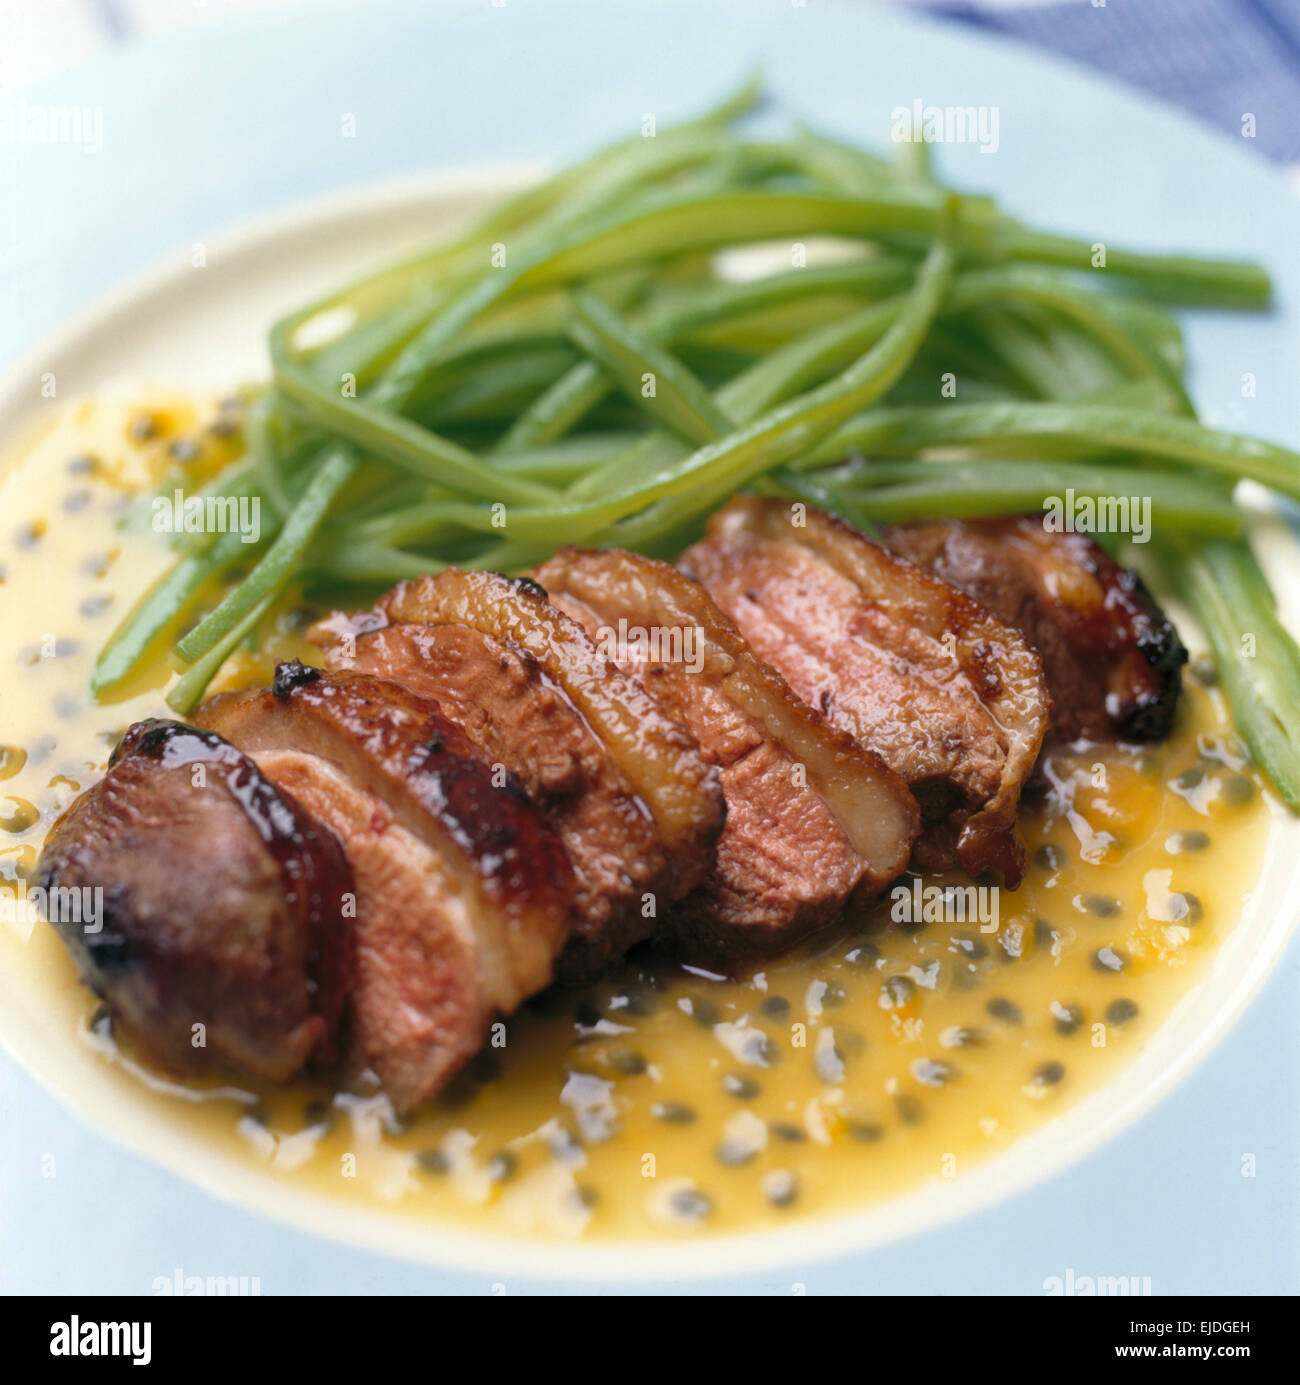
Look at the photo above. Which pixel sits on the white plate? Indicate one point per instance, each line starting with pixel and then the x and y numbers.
pixel 179 326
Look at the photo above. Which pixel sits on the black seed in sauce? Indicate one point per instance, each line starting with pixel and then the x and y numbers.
pixel 969 946
pixel 1121 1011
pixel 97 564
pixel 1190 778
pixel 733 1153
pixel 869 1133
pixel 961 1036
pixel 76 501
pixel 66 706
pixel 95 605
pixel 673 1112
pixel 184 450
pixel 775 1005
pixel 690 1204
pixel 1005 1010
pixel 501 1168
pixel 931 1072
pixel 1045 932
pixel 785 1130
pixel 318 1112
pixel 1049 1074
pixel 910 1111
pixel 1109 959
pixel 1187 907
pixel 702 1010
pixel 864 955
pixel 84 464
pixel 1100 906
pixel 432 1161
pixel 780 1187
pixel 143 428
pixel 628 1061
pixel 896 992
pixel 1183 842
pixel 585 1195
pixel 633 1000
pixel 1050 856
pixel 1236 789
pixel 1067 1019
pixel 743 1088
pixel 29 535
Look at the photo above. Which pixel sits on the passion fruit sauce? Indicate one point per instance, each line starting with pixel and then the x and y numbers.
pixel 897 1047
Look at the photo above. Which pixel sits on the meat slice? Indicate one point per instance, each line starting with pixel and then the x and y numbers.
pixel 811 817
pixel 462 888
pixel 636 804
pixel 1111 657
pixel 949 696
pixel 221 940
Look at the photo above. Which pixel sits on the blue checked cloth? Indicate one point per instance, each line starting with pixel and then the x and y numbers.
pixel 1218 59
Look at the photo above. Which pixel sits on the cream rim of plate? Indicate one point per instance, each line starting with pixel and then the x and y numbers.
pixel 177 327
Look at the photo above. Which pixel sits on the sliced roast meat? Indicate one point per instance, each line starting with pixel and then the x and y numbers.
pixel 950 697
pixel 462 888
pixel 1111 657
pixel 627 788
pixel 211 912
pixel 811 817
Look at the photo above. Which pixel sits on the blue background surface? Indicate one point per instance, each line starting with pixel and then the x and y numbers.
pixel 208 127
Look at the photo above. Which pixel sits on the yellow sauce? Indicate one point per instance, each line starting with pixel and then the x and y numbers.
pixel 662 1102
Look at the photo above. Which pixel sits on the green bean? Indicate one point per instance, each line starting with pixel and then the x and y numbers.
pixel 896 492
pixel 186 692
pixel 277 564
pixel 904 431
pixel 161 608
pixel 1257 659
pixel 675 398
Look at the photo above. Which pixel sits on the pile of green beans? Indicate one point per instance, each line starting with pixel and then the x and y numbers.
pixel 580 367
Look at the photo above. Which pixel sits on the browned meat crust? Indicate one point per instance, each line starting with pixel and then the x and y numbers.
pixel 811 817
pixel 223 940
pixel 637 805
pixel 462 888
pixel 1111 657
pixel 949 696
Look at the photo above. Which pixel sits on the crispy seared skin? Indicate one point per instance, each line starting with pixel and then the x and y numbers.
pixel 222 942
pixel 462 888
pixel 949 696
pixel 637 805
pixel 811 817
pixel 1111 657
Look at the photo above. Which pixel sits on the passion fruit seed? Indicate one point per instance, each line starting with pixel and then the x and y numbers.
pixel 930 1072
pixel 864 955
pixel 1100 906
pixel 1049 1074
pixel 628 1061
pixel 1190 778
pixel 1121 1011
pixel 1110 959
pixel 896 992
pixel 1183 842
pixel 1005 1010
pixel 1050 856
pixel 673 1112
pixel 1236 789
pixel 867 1133
pixel 776 1006
pixel 791 1134
pixel 742 1088
pixel 432 1161
pixel 1187 908
pixel 690 1204
pixel 780 1187
pixel 1067 1019
pixel 910 1111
